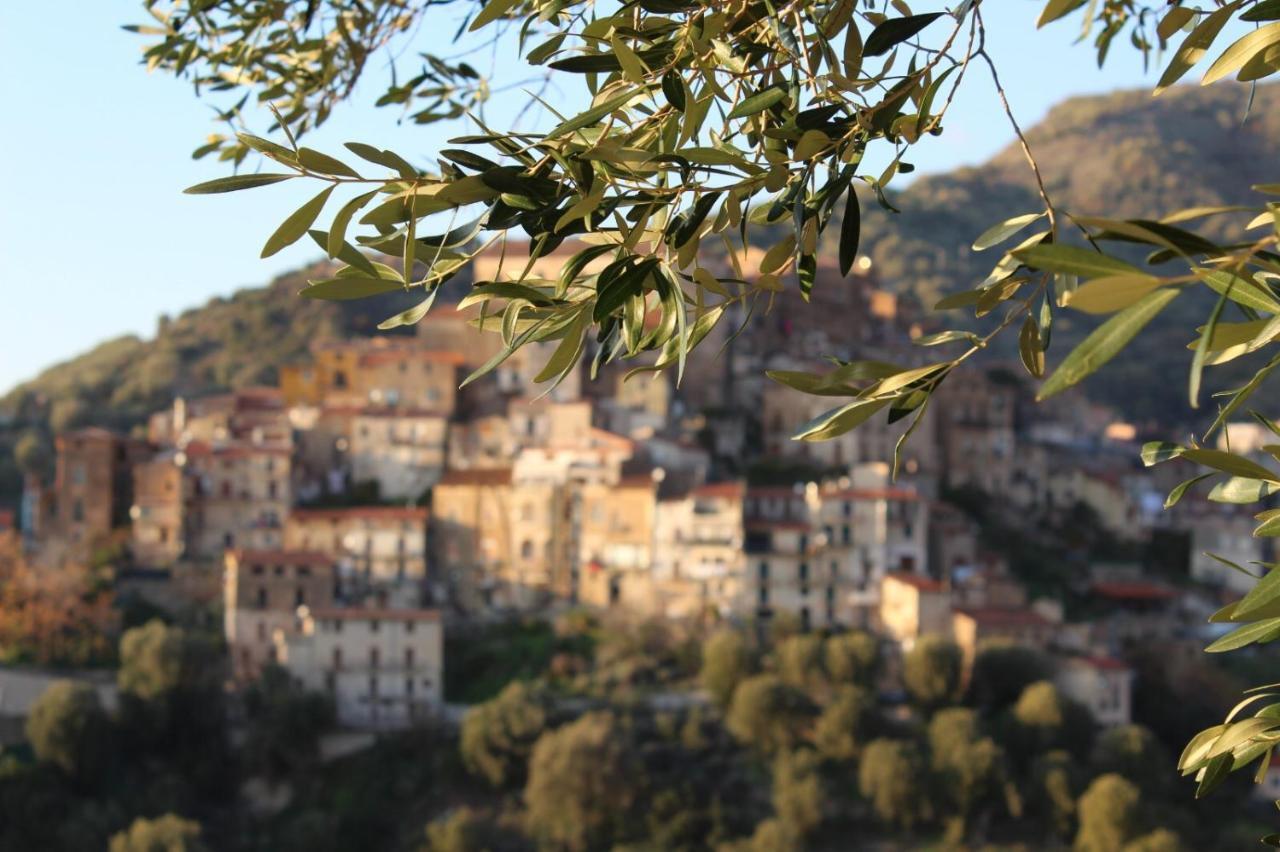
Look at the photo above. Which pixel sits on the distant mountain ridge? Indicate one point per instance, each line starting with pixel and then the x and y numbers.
pixel 1124 153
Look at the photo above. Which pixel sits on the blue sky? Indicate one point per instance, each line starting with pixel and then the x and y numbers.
pixel 97 240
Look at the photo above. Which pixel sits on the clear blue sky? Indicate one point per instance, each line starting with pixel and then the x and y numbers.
pixel 98 241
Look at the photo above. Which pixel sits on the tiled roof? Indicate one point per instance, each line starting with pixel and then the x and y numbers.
pixel 282 557
pixel 371 614
pixel 477 476
pixel 919 581
pixel 375 513
pixel 998 617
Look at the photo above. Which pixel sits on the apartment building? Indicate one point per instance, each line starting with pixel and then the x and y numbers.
pixel 378 548
pixel 698 555
pixel 383 667
pixel 403 450
pixel 784 410
pixel 241 496
pixel 162 495
pixel 977 416
pixel 262 591
pixel 379 371
pixel 93 483
pixel 251 415
pixel 612 536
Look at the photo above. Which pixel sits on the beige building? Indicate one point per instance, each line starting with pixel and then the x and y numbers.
pixel 262 590
pixel 384 668
pixel 976 429
pixel 380 371
pixel 402 450
pixel 162 492
pixel 250 415
pixel 698 556
pixel 377 547
pixel 93 484
pixel 242 493
pixel 913 605
pixel 784 410
pixel 613 538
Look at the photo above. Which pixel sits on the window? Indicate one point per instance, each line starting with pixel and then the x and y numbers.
pixel 262 597
pixel 374 625
pixel 262 631
pixel 526 549
pixel 803 572
pixel 374 658
pixel 299 596
pixel 408 686
pixel 337 658
pixel 408 658
pixel 77 510
pixel 373 684
pixel 408 626
pixel 764 572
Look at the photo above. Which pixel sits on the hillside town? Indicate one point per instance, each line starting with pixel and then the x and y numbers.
pixel 341 523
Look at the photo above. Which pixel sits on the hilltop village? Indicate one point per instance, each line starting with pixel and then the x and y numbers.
pixel 365 526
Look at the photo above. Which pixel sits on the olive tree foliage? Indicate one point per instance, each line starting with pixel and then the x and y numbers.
pixel 891 776
pixel 745 126
pixel 67 726
pixel 498 736
pixel 932 671
pixel 168 833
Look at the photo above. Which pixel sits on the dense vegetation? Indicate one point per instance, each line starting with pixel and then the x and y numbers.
pixel 651 737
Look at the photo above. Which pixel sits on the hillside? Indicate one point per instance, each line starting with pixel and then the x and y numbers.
pixel 1123 153
pixel 227 343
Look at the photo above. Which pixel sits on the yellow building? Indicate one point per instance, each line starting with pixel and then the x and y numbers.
pixel 913 605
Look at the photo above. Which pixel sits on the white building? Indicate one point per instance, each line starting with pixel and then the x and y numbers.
pixel 383 667
pixel 402 450
pixel 1103 685
pixel 1229 536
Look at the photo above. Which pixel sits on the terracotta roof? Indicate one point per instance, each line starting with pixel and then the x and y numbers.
pixel 282 557
pixel 371 614
pixel 1103 663
pixel 96 433
pixel 391 411
pixel 996 617
pixel 638 480
pixel 918 581
pixel 392 356
pixel 732 490
pixel 903 494
pixel 477 476
pixel 201 448
pixel 775 490
pixel 377 513
pixel 1133 590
